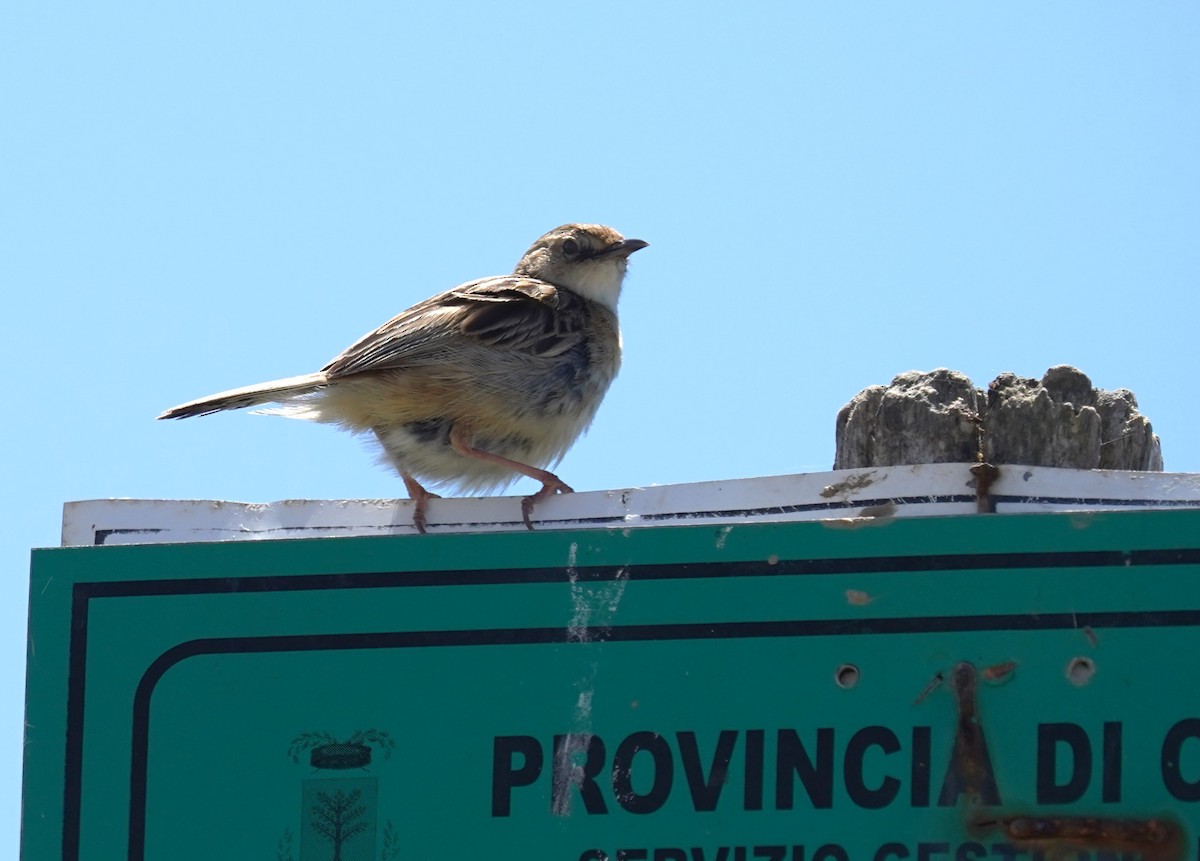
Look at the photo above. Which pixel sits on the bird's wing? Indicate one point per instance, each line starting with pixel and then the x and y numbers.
pixel 506 312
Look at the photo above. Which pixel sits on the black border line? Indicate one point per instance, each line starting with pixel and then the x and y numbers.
pixel 666 571
pixel 83 593
pixel 77 661
pixel 139 760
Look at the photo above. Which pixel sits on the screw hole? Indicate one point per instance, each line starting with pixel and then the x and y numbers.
pixel 847 676
pixel 1080 671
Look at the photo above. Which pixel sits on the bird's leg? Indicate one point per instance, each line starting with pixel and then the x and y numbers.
pixel 416 492
pixel 420 496
pixel 551 483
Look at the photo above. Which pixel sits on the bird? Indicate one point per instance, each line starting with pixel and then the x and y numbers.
pixel 481 384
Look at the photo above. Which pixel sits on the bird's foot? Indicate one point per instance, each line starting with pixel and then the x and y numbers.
pixel 550 486
pixel 419 510
pixel 420 497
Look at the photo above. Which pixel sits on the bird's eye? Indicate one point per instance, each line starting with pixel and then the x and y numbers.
pixel 570 248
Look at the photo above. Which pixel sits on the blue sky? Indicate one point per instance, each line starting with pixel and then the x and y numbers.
pixel 200 196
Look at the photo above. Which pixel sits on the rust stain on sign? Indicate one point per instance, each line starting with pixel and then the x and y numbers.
pixel 986 475
pixel 857 598
pixel 883 509
pixel 850 485
pixel 970 771
pixel 1151 839
pixel 998 674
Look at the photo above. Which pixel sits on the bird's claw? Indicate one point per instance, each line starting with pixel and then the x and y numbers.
pixel 549 488
pixel 420 497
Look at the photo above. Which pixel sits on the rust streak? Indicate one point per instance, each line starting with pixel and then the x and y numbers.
pixel 970 772
pixel 937 679
pixel 997 674
pixel 851 485
pixel 1151 839
pixel 858 598
pixel 985 476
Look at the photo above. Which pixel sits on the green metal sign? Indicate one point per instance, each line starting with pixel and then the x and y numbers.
pixel 929 689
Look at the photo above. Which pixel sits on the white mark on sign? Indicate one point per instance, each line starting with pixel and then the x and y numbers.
pixel 722 534
pixel 594 607
pixel 583 706
pixel 577 627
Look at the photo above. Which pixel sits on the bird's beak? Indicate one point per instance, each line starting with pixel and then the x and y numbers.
pixel 623 248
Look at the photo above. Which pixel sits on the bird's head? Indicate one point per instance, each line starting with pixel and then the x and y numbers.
pixel 588 259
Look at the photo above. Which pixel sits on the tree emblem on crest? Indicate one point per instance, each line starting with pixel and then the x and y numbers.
pixel 339 817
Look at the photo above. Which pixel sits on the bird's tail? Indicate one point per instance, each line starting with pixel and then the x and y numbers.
pixel 248 396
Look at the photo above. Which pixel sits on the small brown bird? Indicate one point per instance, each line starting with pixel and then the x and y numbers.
pixel 477 385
